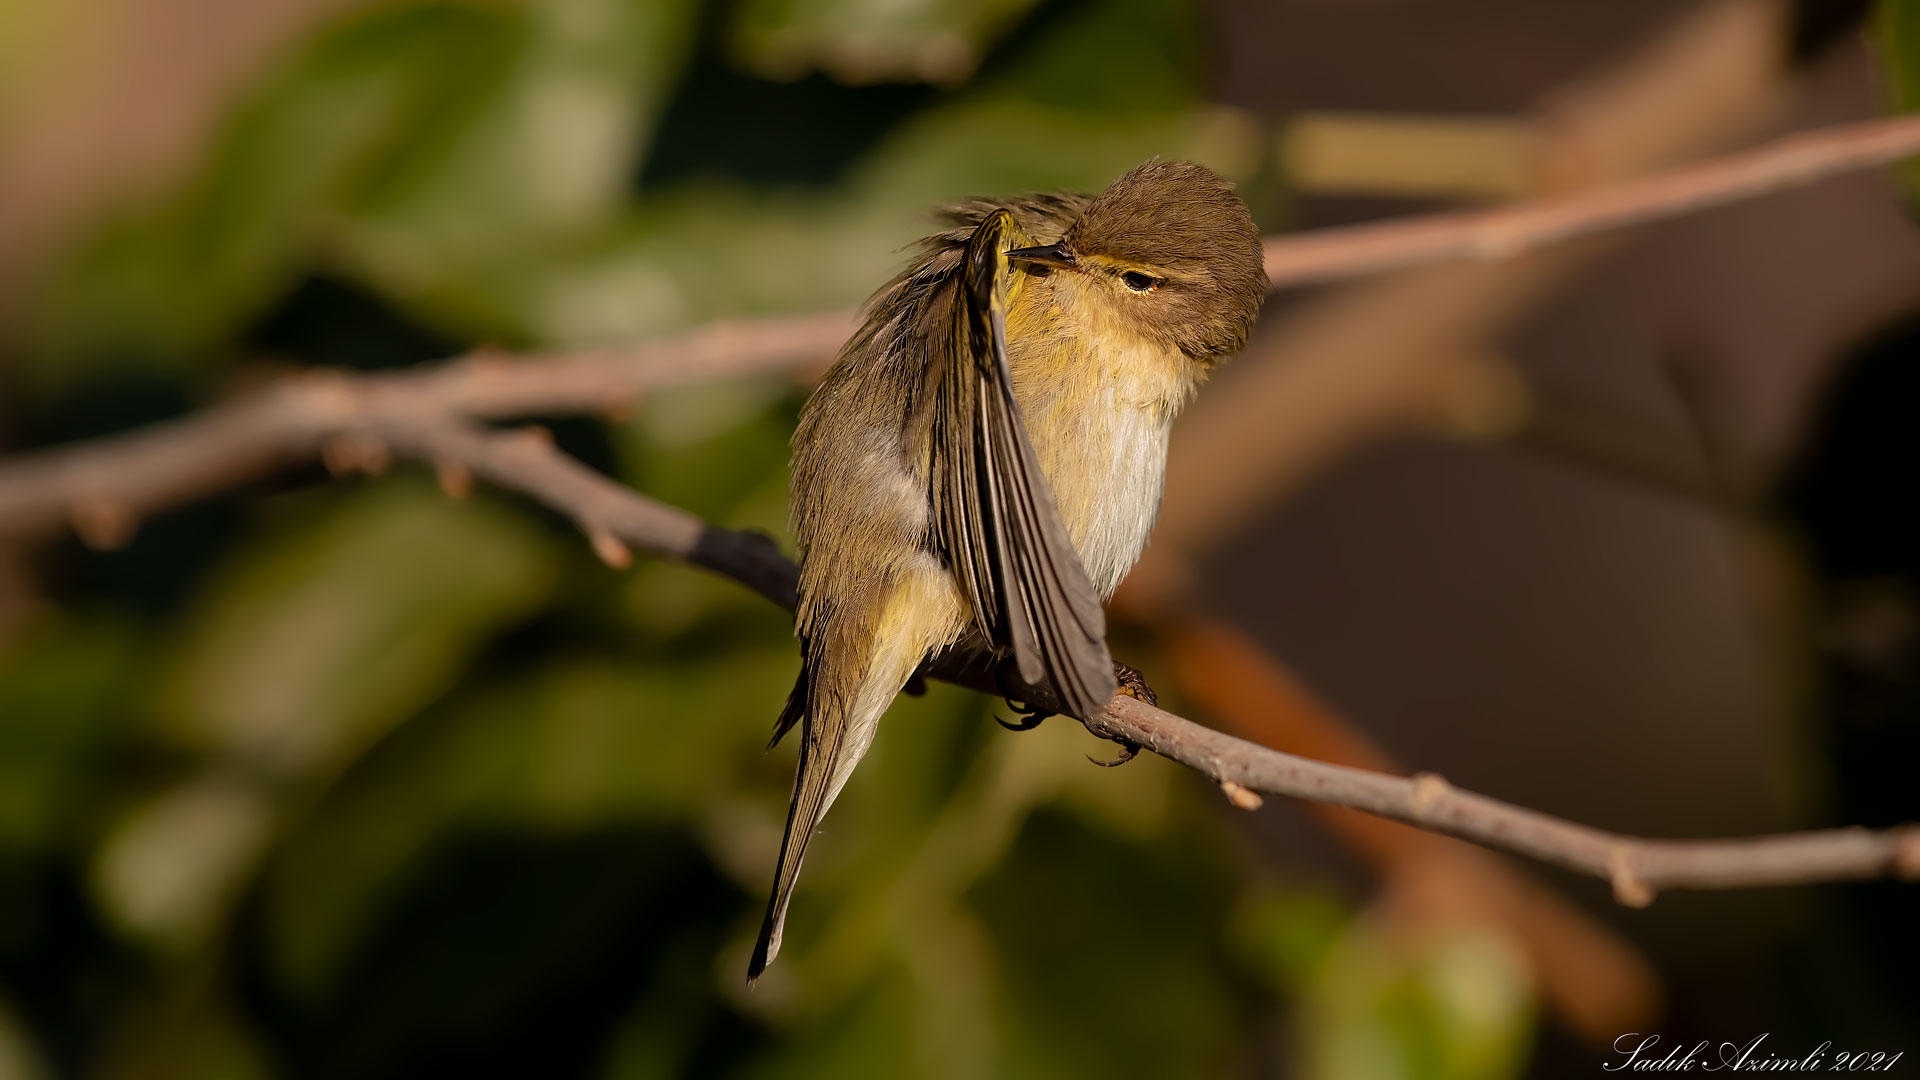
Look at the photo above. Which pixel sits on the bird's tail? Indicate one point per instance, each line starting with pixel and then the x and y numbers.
pixel 835 731
pixel 810 799
pixel 837 704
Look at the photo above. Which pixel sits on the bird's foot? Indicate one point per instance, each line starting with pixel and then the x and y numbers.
pixel 1030 715
pixel 1133 684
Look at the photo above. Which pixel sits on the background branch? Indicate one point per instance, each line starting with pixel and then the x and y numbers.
pixel 1426 349
pixel 618 518
pixel 103 487
pixel 1334 254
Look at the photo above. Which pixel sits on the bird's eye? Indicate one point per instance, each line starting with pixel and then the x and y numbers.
pixel 1140 282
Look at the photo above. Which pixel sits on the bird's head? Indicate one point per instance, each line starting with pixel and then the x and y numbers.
pixel 1168 251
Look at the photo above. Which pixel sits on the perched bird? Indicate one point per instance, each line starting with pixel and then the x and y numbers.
pixel 983 463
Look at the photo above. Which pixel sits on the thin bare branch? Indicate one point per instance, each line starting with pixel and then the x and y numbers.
pixel 1636 867
pixel 102 488
pixel 1353 251
pixel 609 513
pixel 125 477
pixel 497 384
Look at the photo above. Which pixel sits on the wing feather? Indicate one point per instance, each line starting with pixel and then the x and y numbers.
pixel 996 521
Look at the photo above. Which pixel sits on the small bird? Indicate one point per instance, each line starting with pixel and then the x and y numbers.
pixel 983 463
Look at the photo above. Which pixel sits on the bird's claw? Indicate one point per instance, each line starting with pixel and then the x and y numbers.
pixel 1133 684
pixel 1028 719
pixel 1030 715
pixel 1135 687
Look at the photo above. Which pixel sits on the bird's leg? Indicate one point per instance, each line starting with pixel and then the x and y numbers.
pixel 1030 715
pixel 1134 686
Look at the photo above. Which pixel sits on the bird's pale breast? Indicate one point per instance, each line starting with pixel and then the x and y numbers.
pixel 1099 416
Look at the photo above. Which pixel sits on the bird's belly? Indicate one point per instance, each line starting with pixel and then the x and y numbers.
pixel 1103 448
pixel 1112 498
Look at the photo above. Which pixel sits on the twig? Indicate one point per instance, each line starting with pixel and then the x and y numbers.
pixel 1352 251
pixel 1597 983
pixel 276 427
pixel 1637 868
pixel 607 512
pixel 497 384
pixel 120 479
pixel 104 487
pixel 1374 359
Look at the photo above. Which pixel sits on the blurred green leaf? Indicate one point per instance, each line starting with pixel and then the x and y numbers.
pixel 868 41
pixel 1389 1001
pixel 64 686
pixel 710 446
pixel 426 146
pixel 470 160
pixel 202 1043
pixel 658 1036
pixel 337 626
pixel 346 619
pixel 1081 989
pixel 168 872
pixel 528 154
pixel 1285 934
pixel 1114 56
pixel 708 250
pixel 19 1058
pixel 869 1040
pixel 575 745
pixel 367 89
pixel 665 600
pixel 934 808
pixel 511 951
pixel 1089 96
pixel 456 773
pixel 1897 24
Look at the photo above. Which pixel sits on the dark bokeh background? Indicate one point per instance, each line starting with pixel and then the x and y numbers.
pixel 341 777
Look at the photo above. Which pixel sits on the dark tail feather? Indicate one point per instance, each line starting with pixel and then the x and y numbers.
pixel 809 803
pixel 795 709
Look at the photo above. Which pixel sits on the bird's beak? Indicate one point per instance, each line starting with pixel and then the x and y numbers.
pixel 1055 255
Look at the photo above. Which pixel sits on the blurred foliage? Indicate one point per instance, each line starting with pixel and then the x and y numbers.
pixel 469 161
pixel 384 784
pixel 1382 998
pixel 868 41
pixel 1454 1008
pixel 445 153
pixel 1897 29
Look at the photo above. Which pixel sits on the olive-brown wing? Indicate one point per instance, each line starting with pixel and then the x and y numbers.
pixel 995 520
